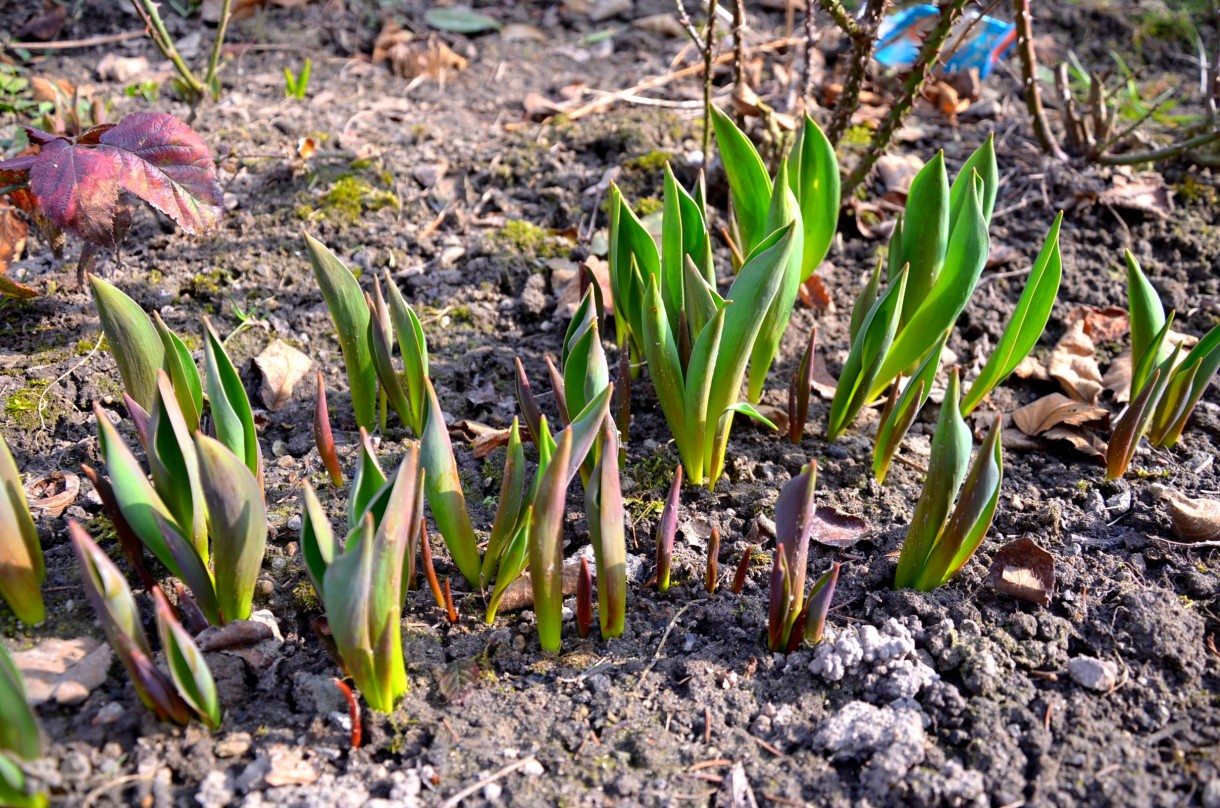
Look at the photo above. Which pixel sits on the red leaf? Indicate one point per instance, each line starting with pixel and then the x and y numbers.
pixel 10 288
pixel 78 188
pixel 16 170
pixel 168 166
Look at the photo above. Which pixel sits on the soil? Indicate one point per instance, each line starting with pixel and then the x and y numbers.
pixel 961 696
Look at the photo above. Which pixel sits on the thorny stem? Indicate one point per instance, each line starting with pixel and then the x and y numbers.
pixel 949 13
pixel 147 10
pixel 810 37
pixel 739 50
pixel 863 38
pixel 211 81
pixel 709 46
pixel 1029 75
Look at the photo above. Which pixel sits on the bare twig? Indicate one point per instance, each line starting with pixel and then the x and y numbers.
pixel 147 10
pixel 709 46
pixel 457 798
pixel 71 44
pixel 949 13
pixel 1166 153
pixel 656 657
pixel 739 49
pixel 211 80
pixel 863 37
pixel 811 35
pixel 1029 74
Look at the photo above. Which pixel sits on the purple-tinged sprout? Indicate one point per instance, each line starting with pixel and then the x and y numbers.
pixel 425 551
pixel 817 605
pixel 779 602
pixel 559 390
pixel 530 411
pixel 743 569
pixel 1133 424
pixel 133 549
pixel 546 545
pixel 187 667
pixel 188 611
pixel 584 598
pixel 622 393
pixel 112 602
pixel 666 530
pixel 711 572
pixel 22 569
pixel 450 610
pixel 604 507
pixel 139 419
pixel 353 712
pixel 793 527
pixel 381 340
pixel 323 436
pixel 798 391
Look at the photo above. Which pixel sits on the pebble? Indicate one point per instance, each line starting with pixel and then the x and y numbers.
pixel 1211 794
pixel 492 792
pixel 532 768
pixel 1095 674
pixel 75 767
pixel 233 745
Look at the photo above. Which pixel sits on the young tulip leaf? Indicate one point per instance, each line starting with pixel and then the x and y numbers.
pixel 1027 323
pixel 230 405
pixel 900 412
pixel 793 525
pixel 381 341
pixel 604 508
pixel 1133 423
pixel 1147 318
pixel 925 234
pixel 171 457
pixel 192 570
pixel 318 545
pixel 348 584
pixel 818 605
pixel 867 354
pixel 18 722
pixel 982 162
pixel 530 412
pixel 21 564
pixel 667 527
pixel 443 487
pixel 414 348
pixel 633 261
pixel 546 547
pixel 133 340
pixel 513 563
pixel 964 531
pixel 351 317
pixel 237 520
pixel 187 667
pixel 813 175
pixel 366 482
pixel 946 469
pixel 802 383
pixel 868 295
pixel 322 435
pixel 508 508
pixel 748 181
pixel 183 374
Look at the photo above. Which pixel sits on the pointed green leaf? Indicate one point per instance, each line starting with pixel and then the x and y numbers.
pixel 1147 317
pixel 366 482
pixel 508 508
pixel 18 723
pixel 897 419
pixel 696 430
pixel 133 340
pixel 234 420
pixel 813 175
pixel 546 547
pixel 748 181
pixel 984 163
pixel 868 296
pixel 192 570
pixel 171 457
pixel 512 563
pixel 818 607
pixel 351 317
pixel 664 366
pixel 187 667
pixel 866 356
pixel 1027 323
pixel 21 564
pixel 381 341
pixel 604 509
pixel 946 469
pixel 925 233
pixel 348 584
pixel 443 488
pixel 318 546
pixel 1134 421
pixel 413 346
pixel 630 244
pixel 672 251
pixel 183 373
pixel 1202 363
pixel 237 521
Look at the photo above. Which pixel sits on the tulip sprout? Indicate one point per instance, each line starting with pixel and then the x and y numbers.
pixel 20 738
pixel 21 565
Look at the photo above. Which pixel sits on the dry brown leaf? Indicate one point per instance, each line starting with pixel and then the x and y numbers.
pixel 1147 193
pixel 306 146
pixel 391 34
pixel 1048 412
pixel 431 58
pixel 63 671
pixel 1032 368
pixel 834 528
pixel 815 295
pixel 13 232
pixel 1082 440
pixel 566 282
pixel 1102 325
pixel 944 97
pixel 823 383
pixel 897 171
pixel 538 107
pixel 1024 570
pixel 520 32
pixel 43 26
pixel 776 415
pixel 1118 377
pixel 663 24
pixel 1195 521
pixel 1014 440
pixel 50 90
pixel 520 593
pixel 53 493
pixel 282 367
pixel 1073 363
pixel 121 69
pixel 605 9
pixel 234 634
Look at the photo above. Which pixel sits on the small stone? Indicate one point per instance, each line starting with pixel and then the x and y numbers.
pixel 1211 794
pixel 492 792
pixel 75 767
pixel 109 713
pixel 1100 675
pixel 233 745
pixel 264 587
pixel 532 768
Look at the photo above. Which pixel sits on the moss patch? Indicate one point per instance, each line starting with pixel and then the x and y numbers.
pixel 527 239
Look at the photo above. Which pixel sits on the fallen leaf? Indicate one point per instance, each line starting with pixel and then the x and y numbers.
pixel 538 107
pixel 282 367
pixel 457 679
pixel 664 24
pixel 520 32
pixel 53 493
pixel 13 232
pixel 288 768
pixel 823 383
pixel 834 528
pixel 306 146
pixel 897 171
pixel 520 593
pixel 1056 409
pixel 815 295
pixel 51 90
pixel 1195 521
pixel 460 20
pixel 566 282
pixel 1073 363
pixel 945 98
pixel 121 69
pixel 391 34
pixel 63 671
pixel 234 634
pixel 1118 377
pixel 1024 570
pixel 1082 440
pixel 776 415
pixel 43 26
pixel 484 396
pixel 431 58
pixel 1031 368
pixel 1147 193
pixel 11 288
pixel 1102 325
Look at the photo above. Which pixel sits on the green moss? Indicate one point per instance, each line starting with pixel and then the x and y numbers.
pixel 858 135
pixel 648 205
pixel 306 598
pixel 360 164
pixel 351 197
pixel 461 314
pixel 1193 191
pixel 21 408
pixel 527 239
pixel 654 160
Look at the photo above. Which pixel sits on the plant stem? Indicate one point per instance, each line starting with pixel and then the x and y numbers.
pixel 949 12
pixel 709 44
pixel 810 36
pixel 863 38
pixel 1029 75
pixel 147 10
pixel 739 52
pixel 1165 153
pixel 214 61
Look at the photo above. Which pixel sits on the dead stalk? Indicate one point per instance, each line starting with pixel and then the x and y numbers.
pixel 1029 76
